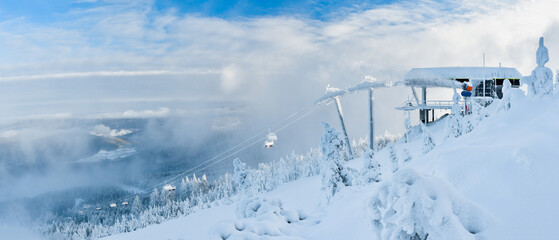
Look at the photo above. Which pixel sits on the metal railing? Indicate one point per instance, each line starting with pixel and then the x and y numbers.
pixel 429 104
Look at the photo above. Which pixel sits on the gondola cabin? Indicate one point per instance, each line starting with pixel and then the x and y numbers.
pixel 268 144
pixel 270 140
pixel 169 187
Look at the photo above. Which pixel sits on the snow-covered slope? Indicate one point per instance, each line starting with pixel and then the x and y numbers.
pixel 497 182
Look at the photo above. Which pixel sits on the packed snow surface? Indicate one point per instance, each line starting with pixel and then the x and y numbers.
pixel 496 182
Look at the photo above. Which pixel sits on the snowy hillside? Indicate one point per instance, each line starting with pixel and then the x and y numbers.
pixel 495 182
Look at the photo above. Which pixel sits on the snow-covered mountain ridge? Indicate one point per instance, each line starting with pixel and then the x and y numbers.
pixel 495 182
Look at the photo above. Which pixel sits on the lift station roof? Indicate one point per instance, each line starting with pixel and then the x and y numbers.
pixel 435 76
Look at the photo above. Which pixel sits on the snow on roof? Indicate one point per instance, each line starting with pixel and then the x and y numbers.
pixel 447 73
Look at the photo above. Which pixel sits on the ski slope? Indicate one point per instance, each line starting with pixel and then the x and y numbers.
pixel 497 182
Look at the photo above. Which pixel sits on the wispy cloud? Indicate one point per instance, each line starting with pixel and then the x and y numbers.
pixel 108 74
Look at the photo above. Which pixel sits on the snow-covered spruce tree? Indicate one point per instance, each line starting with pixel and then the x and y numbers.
pixel 504 104
pixel 137 205
pixel 241 178
pixel 453 124
pixel 407 126
pixel 371 167
pixel 428 142
pixel 335 175
pixel 393 157
pixel 479 112
pixel 154 198
pixel 541 80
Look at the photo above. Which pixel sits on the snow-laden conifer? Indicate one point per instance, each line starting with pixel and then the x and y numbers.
pixel 137 205
pixel 453 123
pixel 393 157
pixel 335 175
pixel 541 80
pixel 371 167
pixel 154 198
pixel 241 178
pixel 505 102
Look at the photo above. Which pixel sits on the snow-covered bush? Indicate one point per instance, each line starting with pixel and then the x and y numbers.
pixel 371 167
pixel 417 207
pixel 260 218
pixel 335 175
pixel 256 206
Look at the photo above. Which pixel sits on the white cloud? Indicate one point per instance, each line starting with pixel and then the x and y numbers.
pixel 159 113
pixel 109 74
pixel 282 62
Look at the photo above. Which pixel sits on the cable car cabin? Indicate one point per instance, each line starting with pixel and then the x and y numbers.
pixel 268 144
pixel 113 205
pixel 271 139
pixel 169 187
pixel 124 203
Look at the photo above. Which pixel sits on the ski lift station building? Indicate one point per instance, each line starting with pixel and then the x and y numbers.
pixel 486 81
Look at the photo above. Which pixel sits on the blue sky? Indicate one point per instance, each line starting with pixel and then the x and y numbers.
pixel 54 10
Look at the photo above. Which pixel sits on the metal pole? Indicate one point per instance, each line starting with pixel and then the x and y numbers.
pixel 340 114
pixel 371 124
pixel 424 93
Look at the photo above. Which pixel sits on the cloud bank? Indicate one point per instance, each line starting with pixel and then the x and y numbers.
pixel 274 65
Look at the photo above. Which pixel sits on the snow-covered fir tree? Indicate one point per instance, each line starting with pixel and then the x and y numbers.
pixel 154 198
pixel 479 112
pixel 428 142
pixel 241 177
pixel 505 102
pixel 541 80
pixel 371 167
pixel 453 124
pixel 137 205
pixel 393 157
pixel 407 127
pixel 335 175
